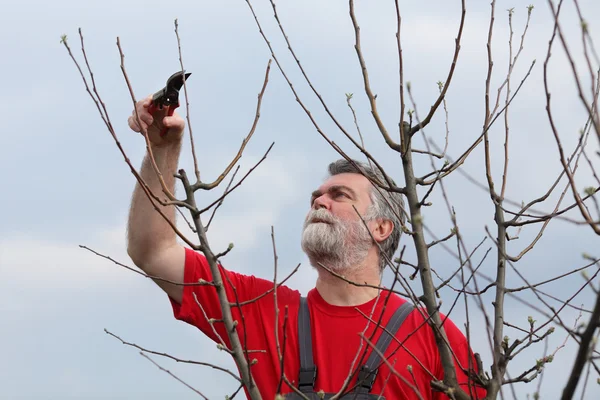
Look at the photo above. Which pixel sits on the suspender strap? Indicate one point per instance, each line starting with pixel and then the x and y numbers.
pixel 368 372
pixel 308 370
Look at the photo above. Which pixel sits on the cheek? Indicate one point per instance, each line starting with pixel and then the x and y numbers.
pixel 344 211
pixel 351 215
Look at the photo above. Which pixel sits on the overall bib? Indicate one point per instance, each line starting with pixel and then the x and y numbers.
pixel 367 372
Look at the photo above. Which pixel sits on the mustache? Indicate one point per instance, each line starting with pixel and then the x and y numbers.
pixel 320 215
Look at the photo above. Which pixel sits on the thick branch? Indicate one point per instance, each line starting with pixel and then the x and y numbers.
pixel 237 350
pixel 583 352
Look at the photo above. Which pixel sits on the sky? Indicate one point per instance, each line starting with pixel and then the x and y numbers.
pixel 66 185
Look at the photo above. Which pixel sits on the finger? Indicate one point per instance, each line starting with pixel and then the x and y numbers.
pixel 143 114
pixel 142 105
pixel 133 124
pixel 144 117
pixel 146 102
pixel 174 122
pixel 147 118
pixel 141 109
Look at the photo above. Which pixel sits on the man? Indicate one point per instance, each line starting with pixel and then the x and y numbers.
pixel 337 318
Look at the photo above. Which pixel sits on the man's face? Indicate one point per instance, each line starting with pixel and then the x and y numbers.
pixel 334 234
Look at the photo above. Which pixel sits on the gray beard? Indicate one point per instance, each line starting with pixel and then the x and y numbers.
pixel 339 245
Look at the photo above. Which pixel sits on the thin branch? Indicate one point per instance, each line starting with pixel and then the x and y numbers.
pixel 362 142
pixel 201 282
pixel 450 235
pixel 172 375
pixel 583 352
pixel 437 103
pixel 590 109
pixel 276 304
pixel 400 72
pixel 215 183
pixel 222 198
pixel 316 93
pixel 282 359
pixel 392 370
pixel 372 98
pixel 222 345
pixel 453 166
pixel 159 174
pixel 187 104
pixel 594 262
pixel 217 201
pixel 106 119
pixel 595 227
pixel 179 360
pixel 243 303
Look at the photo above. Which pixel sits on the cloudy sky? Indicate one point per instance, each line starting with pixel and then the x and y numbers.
pixel 65 184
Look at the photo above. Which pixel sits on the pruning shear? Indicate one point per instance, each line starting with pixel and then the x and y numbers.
pixel 168 96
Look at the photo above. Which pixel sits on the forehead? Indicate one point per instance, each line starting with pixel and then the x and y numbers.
pixel 356 182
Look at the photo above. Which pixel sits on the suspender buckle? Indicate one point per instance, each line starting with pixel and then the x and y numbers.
pixel 307 377
pixel 366 377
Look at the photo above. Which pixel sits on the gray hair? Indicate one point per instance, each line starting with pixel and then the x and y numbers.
pixel 385 204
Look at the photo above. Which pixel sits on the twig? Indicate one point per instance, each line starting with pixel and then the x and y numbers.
pixel 297 98
pixel 159 174
pixel 595 227
pixel 450 235
pixel 362 142
pixel 216 182
pixel 222 198
pixel 106 119
pixel 583 352
pixel 590 109
pixel 437 103
pixel 187 104
pixel 372 102
pixel 453 166
pixel 235 393
pixel 201 282
pixel 392 370
pixel 179 360
pixel 211 322
pixel 594 262
pixel 275 303
pixel 282 358
pixel 249 363
pixel 400 73
pixel 172 375
pixel 237 184
pixel 243 303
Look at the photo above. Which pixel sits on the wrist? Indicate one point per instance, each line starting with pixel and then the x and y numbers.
pixel 167 145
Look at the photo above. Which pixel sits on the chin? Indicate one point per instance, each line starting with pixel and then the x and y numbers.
pixel 336 265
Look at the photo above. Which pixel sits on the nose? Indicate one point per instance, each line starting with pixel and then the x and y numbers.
pixel 321 202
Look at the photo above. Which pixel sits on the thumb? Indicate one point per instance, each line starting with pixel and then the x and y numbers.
pixel 174 122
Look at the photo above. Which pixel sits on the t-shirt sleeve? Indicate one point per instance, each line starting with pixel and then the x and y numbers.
pixel 462 353
pixel 201 302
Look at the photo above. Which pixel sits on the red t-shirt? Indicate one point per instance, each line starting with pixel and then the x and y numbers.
pixel 335 335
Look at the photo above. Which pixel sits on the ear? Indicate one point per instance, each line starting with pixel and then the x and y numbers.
pixel 382 230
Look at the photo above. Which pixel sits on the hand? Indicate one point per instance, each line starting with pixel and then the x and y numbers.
pixel 154 123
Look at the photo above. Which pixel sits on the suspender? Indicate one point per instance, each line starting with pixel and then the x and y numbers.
pixel 308 370
pixel 368 372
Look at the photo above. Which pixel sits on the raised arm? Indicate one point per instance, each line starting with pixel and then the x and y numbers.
pixel 152 244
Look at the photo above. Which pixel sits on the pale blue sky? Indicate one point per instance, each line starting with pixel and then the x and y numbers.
pixel 65 184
